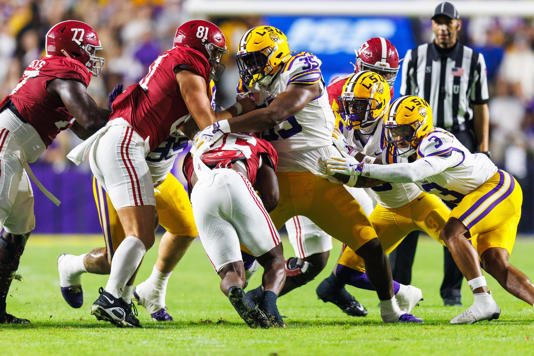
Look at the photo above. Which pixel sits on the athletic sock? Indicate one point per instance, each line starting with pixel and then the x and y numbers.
pixel 125 261
pixel 127 294
pixel 269 303
pixel 358 279
pixel 71 270
pixel 155 287
pixel 390 311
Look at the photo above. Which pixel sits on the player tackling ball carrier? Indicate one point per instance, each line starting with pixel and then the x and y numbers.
pixel 488 200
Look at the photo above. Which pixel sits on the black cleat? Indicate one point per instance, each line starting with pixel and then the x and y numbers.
pixel 340 297
pixel 247 310
pixel 11 319
pixel 107 307
pixel 131 316
pixel 256 295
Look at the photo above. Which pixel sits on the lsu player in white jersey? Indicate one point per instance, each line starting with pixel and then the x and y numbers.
pixel 401 207
pixel 488 200
pixel 297 120
pixel 174 215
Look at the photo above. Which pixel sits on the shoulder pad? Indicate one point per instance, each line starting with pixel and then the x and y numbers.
pixel 303 68
pixel 437 143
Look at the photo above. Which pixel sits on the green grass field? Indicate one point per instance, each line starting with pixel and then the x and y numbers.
pixel 205 322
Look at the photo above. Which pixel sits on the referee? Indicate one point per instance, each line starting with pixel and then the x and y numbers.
pixel 452 78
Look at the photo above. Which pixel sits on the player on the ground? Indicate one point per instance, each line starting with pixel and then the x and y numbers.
pixel 51 96
pixel 402 207
pixel 298 121
pixel 488 200
pixel 146 114
pixel 229 212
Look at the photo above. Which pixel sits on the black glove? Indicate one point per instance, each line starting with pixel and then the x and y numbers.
pixel 114 94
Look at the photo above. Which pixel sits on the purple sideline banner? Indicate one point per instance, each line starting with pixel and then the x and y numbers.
pixel 73 187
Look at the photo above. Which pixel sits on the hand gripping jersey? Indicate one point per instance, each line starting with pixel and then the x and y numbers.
pixel 232 148
pixel 45 112
pixel 154 106
pixel 308 129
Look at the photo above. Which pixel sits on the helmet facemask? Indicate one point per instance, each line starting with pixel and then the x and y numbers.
pixel 254 67
pixel 358 112
pixel 403 137
pixel 95 63
pixel 389 74
pixel 215 54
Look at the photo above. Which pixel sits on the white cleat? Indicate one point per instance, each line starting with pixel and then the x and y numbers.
pixel 484 309
pixel 408 297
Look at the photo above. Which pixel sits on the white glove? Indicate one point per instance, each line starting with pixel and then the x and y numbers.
pixel 347 166
pixel 204 139
pixel 341 143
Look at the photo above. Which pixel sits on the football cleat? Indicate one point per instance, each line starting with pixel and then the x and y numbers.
pixel 477 312
pixel 157 312
pixel 73 294
pixel 161 315
pixel 247 310
pixel 408 297
pixel 107 307
pixel 409 318
pixel 11 319
pixel 130 319
pixel 340 297
pixel 256 295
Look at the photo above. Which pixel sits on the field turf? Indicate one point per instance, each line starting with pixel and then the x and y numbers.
pixel 206 324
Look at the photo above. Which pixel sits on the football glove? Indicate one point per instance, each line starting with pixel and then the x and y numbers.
pixel 340 142
pixel 115 93
pixel 348 166
pixel 204 139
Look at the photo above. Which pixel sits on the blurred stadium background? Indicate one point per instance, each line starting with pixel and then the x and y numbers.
pixel 134 32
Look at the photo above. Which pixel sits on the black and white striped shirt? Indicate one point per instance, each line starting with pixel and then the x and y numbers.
pixel 450 82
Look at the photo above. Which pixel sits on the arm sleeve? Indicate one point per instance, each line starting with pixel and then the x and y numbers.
pixel 411 172
pixel 479 89
pixel 406 85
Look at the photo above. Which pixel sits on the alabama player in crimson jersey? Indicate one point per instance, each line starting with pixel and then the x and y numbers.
pixel 51 96
pixel 174 89
pixel 229 212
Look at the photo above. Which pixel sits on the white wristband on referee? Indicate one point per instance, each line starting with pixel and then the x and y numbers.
pixel 477 282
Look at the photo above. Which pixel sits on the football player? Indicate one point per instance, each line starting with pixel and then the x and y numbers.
pixel 229 212
pixel 401 208
pixel 51 96
pixel 488 200
pixel 146 114
pixel 311 244
pixel 298 121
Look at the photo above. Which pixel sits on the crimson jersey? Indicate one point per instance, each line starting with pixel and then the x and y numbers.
pixel 236 147
pixel 45 112
pixel 154 106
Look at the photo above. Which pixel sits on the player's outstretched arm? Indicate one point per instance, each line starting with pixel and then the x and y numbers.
pixel 89 117
pixel 286 104
pixel 194 93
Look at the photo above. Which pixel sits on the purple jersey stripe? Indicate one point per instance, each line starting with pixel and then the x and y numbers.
pixel 290 63
pixel 441 153
pixel 312 74
pixel 494 204
pixel 484 198
pixel 463 154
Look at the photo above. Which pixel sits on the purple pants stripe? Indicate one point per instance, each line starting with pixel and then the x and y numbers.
pixel 486 196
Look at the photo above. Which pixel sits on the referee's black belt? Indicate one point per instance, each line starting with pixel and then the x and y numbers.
pixel 9 105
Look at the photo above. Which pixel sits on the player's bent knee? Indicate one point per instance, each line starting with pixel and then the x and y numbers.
pixel 371 250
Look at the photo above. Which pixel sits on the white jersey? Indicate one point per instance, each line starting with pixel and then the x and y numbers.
pixel 388 195
pixel 161 160
pixel 444 167
pixel 308 130
pixel 460 179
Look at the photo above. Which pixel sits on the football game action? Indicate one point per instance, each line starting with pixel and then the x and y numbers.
pixel 237 177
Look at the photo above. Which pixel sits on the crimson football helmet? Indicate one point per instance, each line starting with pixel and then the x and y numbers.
pixel 206 38
pixel 380 56
pixel 79 40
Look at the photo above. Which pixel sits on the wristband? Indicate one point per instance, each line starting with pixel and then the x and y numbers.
pixel 238 108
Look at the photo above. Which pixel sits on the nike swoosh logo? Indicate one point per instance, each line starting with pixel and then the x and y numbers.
pixel 109 300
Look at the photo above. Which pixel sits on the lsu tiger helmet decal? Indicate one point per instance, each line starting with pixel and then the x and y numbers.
pixel 261 53
pixel 408 121
pixel 364 100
